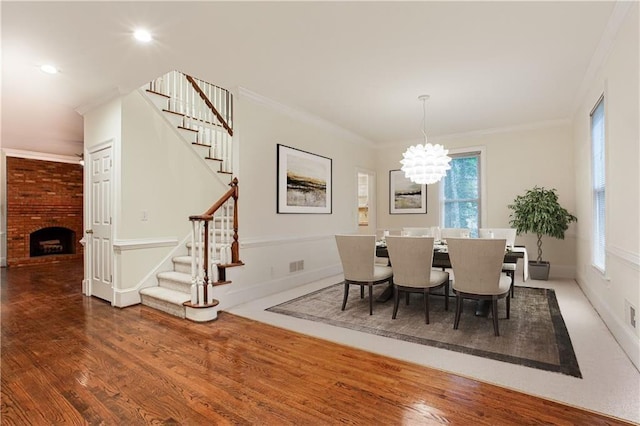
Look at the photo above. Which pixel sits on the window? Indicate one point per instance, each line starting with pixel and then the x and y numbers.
pixel 461 202
pixel 598 182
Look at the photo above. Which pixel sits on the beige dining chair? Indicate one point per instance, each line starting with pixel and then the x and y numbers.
pixel 446 233
pixel 411 258
pixel 417 232
pixel 477 271
pixel 509 234
pixel 357 254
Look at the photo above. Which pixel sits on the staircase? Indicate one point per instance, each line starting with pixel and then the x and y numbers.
pixel 203 114
pixel 173 293
pixel 173 290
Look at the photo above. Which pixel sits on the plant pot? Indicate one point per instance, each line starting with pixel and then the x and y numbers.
pixel 539 270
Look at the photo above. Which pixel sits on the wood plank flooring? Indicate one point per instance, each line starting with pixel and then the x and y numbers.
pixel 71 359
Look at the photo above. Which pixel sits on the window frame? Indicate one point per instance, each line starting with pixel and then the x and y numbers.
pixel 482 194
pixel 598 237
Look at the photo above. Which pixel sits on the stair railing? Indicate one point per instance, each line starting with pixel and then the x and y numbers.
pixel 207 109
pixel 214 246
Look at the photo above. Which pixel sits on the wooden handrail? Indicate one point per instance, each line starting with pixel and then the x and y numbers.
pixel 206 100
pixel 233 192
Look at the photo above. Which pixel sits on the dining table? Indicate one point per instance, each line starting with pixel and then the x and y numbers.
pixel 441 260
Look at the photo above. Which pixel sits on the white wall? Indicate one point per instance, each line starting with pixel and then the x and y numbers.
pixel 270 241
pixel 155 172
pixel 617 78
pixel 516 160
pixel 164 181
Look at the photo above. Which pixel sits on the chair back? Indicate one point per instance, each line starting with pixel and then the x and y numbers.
pixel 476 263
pixel 411 259
pixel 446 233
pixel 508 234
pixel 357 254
pixel 417 232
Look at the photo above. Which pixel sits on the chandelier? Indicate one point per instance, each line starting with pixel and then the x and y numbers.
pixel 428 163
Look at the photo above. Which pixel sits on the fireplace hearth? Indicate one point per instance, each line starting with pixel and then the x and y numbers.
pixel 51 241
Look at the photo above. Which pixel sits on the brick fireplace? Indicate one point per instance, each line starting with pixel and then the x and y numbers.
pixel 44 211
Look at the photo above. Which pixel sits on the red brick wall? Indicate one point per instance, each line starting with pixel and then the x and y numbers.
pixel 41 194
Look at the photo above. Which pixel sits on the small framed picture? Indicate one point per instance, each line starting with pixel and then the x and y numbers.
pixel 406 197
pixel 304 182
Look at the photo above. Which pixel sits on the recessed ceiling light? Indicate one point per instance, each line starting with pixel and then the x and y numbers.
pixel 143 36
pixel 49 69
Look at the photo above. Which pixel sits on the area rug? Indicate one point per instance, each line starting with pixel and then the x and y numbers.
pixel 535 336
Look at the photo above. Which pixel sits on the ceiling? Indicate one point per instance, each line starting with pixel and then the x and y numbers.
pixel 358 65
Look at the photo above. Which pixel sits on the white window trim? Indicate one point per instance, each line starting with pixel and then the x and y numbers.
pixel 603 271
pixel 483 183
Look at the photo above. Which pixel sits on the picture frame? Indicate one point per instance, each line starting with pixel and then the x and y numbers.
pixel 304 182
pixel 406 197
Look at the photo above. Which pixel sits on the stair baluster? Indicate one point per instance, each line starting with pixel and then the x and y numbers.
pixel 212 249
pixel 205 108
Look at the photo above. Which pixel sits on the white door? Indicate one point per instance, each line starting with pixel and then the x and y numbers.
pixel 100 232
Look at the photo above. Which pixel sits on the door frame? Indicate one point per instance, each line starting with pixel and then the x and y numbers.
pixel 373 203
pixel 88 205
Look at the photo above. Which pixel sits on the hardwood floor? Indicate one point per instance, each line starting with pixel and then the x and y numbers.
pixel 71 359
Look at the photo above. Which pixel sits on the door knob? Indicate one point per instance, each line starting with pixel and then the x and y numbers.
pixel 89 231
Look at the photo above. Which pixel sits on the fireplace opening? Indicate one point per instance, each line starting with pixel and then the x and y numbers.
pixel 52 240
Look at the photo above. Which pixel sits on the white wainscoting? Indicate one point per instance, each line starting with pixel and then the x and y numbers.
pixel 266 269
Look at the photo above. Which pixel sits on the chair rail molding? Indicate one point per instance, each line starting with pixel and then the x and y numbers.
pixel 626 255
pixel 275 240
pixel 143 243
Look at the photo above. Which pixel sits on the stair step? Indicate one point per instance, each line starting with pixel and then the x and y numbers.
pixel 203 150
pixel 188 134
pixel 182 264
pixel 175 118
pixel 160 100
pixel 166 300
pixel 177 281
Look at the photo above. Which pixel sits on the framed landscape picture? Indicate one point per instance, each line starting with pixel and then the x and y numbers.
pixel 304 182
pixel 406 197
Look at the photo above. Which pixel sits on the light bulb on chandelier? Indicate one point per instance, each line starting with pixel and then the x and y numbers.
pixel 428 163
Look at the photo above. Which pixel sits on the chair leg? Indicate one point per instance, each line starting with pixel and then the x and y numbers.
pixel 446 296
pixel 513 279
pixel 396 301
pixel 361 291
pixel 407 294
pixel 458 311
pixel 426 305
pixel 508 307
pixel 494 313
pixel 346 295
pixel 370 298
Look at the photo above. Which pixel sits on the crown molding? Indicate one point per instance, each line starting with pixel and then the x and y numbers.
pixel 484 132
pixel 43 156
pixel 303 116
pixel 602 52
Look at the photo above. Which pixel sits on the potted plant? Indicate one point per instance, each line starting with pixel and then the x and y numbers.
pixel 539 212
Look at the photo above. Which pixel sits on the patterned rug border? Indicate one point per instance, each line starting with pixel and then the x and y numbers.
pixel 568 361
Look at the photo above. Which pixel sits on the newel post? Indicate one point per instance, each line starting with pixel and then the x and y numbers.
pixel 235 250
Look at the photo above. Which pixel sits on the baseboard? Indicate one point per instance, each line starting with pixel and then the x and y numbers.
pixel 128 297
pixel 230 296
pixel 562 271
pixel 627 340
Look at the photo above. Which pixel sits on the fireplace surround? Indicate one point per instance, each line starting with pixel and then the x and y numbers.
pixel 44 200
